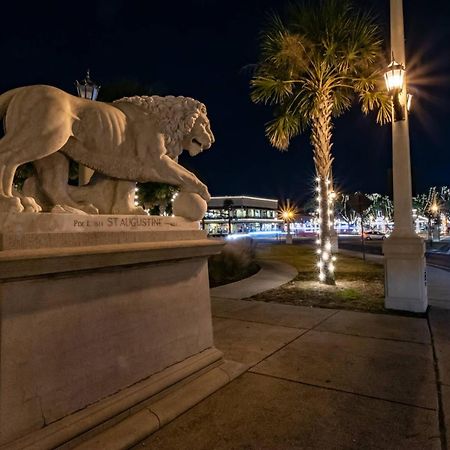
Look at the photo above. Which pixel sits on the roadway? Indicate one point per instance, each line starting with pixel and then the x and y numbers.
pixel 437 254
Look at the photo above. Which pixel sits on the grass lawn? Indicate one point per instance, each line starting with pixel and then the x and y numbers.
pixel 359 284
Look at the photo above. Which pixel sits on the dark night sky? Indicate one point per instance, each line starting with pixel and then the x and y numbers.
pixel 200 48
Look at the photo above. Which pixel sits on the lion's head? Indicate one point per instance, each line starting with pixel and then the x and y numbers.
pixel 183 122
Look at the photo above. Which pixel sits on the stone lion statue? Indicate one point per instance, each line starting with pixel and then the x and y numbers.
pixel 132 139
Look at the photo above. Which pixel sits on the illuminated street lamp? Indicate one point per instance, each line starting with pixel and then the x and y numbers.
pixel 434 209
pixel 394 78
pixel 404 250
pixel 87 89
pixel 288 214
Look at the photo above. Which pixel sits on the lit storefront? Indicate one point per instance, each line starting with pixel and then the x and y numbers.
pixel 241 214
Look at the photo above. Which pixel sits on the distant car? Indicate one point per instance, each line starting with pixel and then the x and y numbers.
pixel 373 235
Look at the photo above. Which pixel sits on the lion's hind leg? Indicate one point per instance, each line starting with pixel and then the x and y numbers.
pixel 53 175
pixel 123 202
pixel 14 152
pixel 8 202
pixel 13 201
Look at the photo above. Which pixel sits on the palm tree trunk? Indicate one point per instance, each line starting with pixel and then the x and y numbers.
pixel 321 141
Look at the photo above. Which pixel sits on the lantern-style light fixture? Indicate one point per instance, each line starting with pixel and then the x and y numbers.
pixel 394 78
pixel 87 88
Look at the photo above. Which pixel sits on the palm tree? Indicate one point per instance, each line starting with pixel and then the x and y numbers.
pixel 228 207
pixel 382 205
pixel 314 62
pixel 344 210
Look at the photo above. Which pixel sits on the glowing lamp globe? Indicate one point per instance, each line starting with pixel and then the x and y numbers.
pixel 394 77
pixel 87 88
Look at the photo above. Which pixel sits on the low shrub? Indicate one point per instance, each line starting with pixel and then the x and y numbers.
pixel 235 262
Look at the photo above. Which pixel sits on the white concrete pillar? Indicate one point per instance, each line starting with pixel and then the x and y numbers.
pixel 401 166
pixel 404 250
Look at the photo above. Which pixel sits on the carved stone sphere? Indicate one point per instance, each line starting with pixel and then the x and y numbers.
pixel 189 205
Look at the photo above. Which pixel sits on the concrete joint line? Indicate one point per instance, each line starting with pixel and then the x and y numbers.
pixel 373 337
pixel 441 415
pixel 328 388
pixel 261 323
pixel 305 331
pixel 324 320
pixel 278 349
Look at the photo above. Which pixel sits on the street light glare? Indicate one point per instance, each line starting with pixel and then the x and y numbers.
pixel 288 212
pixel 394 77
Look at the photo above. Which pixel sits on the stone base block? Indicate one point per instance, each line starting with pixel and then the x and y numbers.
pixel 405 274
pixel 84 328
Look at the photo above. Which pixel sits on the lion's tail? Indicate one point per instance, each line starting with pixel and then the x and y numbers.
pixel 5 100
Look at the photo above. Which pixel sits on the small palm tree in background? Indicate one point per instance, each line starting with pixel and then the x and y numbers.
pixel 228 207
pixel 314 62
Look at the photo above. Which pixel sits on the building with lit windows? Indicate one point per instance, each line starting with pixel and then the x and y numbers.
pixel 241 214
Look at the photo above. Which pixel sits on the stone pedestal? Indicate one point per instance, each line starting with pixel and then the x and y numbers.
pixel 26 231
pixel 92 331
pixel 405 273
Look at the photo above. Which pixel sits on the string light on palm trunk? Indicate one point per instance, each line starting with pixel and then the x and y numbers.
pixel 326 261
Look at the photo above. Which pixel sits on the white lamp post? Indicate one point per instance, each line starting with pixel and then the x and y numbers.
pixel 288 213
pixel 87 89
pixel 288 216
pixel 404 250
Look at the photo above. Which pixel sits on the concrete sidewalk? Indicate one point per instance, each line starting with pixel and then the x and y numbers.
pixel 438 281
pixel 322 379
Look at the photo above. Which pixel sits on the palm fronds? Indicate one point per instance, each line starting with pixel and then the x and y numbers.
pixel 318 49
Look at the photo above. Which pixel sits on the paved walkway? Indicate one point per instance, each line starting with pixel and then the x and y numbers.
pixel 271 275
pixel 438 287
pixel 322 379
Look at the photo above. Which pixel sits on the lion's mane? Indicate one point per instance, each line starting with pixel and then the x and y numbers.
pixel 176 116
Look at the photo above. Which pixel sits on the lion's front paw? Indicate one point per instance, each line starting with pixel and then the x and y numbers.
pixel 89 208
pixel 64 209
pixel 30 205
pixel 128 210
pixel 10 204
pixel 139 210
